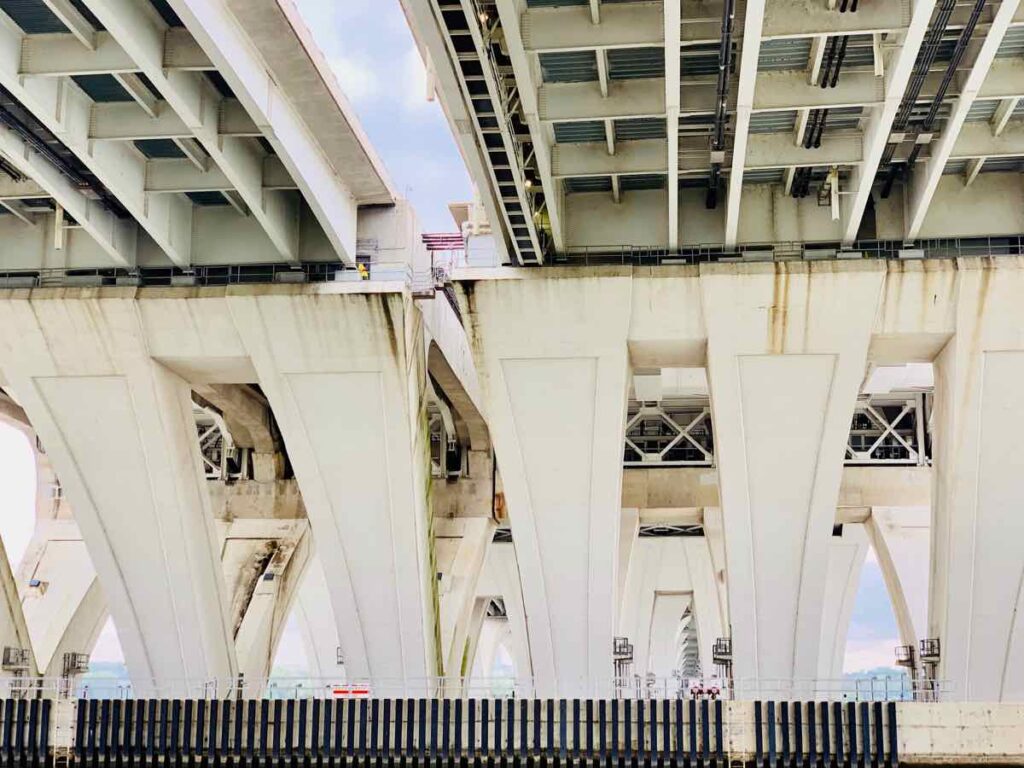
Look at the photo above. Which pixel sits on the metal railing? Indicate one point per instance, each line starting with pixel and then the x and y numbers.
pixel 635 687
pixel 940 248
pixel 207 276
pixel 324 272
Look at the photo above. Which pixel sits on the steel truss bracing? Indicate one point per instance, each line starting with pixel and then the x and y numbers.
pixel 885 429
pixel 890 429
pixel 662 530
pixel 222 459
pixel 669 434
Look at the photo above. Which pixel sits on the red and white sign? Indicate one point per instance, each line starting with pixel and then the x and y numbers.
pixel 350 691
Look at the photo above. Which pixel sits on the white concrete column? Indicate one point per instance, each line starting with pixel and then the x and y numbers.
pixel 901 538
pixel 315 616
pixel 977 590
pixel 714 532
pixel 663 641
pixel 344 375
pixel 118 427
pixel 660 567
pixel 63 605
pixel 787 348
pixel 629 527
pixel 468 664
pixel 553 363
pixel 500 578
pixel 494 632
pixel 269 592
pixel 459 586
pixel 66 609
pixel 845 564
pixel 14 631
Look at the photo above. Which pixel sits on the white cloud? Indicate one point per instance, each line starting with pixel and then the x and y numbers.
pixel 357 78
pixel 414 80
pixel 869 654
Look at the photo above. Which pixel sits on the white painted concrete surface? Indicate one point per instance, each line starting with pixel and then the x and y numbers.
pixel 667 574
pixel 977 604
pixel 119 429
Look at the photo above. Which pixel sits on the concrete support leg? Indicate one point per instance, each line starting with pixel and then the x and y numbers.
pixel 344 375
pixel 119 430
pixel 714 532
pixel 500 578
pixel 977 590
pixel 264 572
pixel 785 367
pixel 901 538
pixel 553 366
pixel 61 596
pixel 468 663
pixel 37 618
pixel 663 644
pixel 629 527
pixel 316 621
pixel 845 565
pixel 459 583
pixel 14 632
pixel 662 567
pixel 494 633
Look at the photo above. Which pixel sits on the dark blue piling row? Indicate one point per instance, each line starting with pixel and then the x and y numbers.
pixel 452 733
pixel 818 734
pixel 24 732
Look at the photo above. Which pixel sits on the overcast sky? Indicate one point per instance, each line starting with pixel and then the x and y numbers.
pixel 375 58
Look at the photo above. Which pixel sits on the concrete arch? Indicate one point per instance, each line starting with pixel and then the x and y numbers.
pixel 847 553
pixel 500 578
pixel 315 617
pixel 675 571
pixel 28 619
pixel 64 605
pixel 901 539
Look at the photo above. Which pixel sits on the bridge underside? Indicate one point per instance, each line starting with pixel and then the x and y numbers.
pixel 597 127
pixel 582 480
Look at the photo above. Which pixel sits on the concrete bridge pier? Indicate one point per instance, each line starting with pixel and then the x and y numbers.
pixel 119 429
pixel 784 374
pixel 469 538
pixel 315 617
pixel 61 596
pixel 900 538
pixel 500 578
pixel 845 563
pixel 553 367
pixel 977 598
pixel 666 575
pixel 44 595
pixel 344 376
